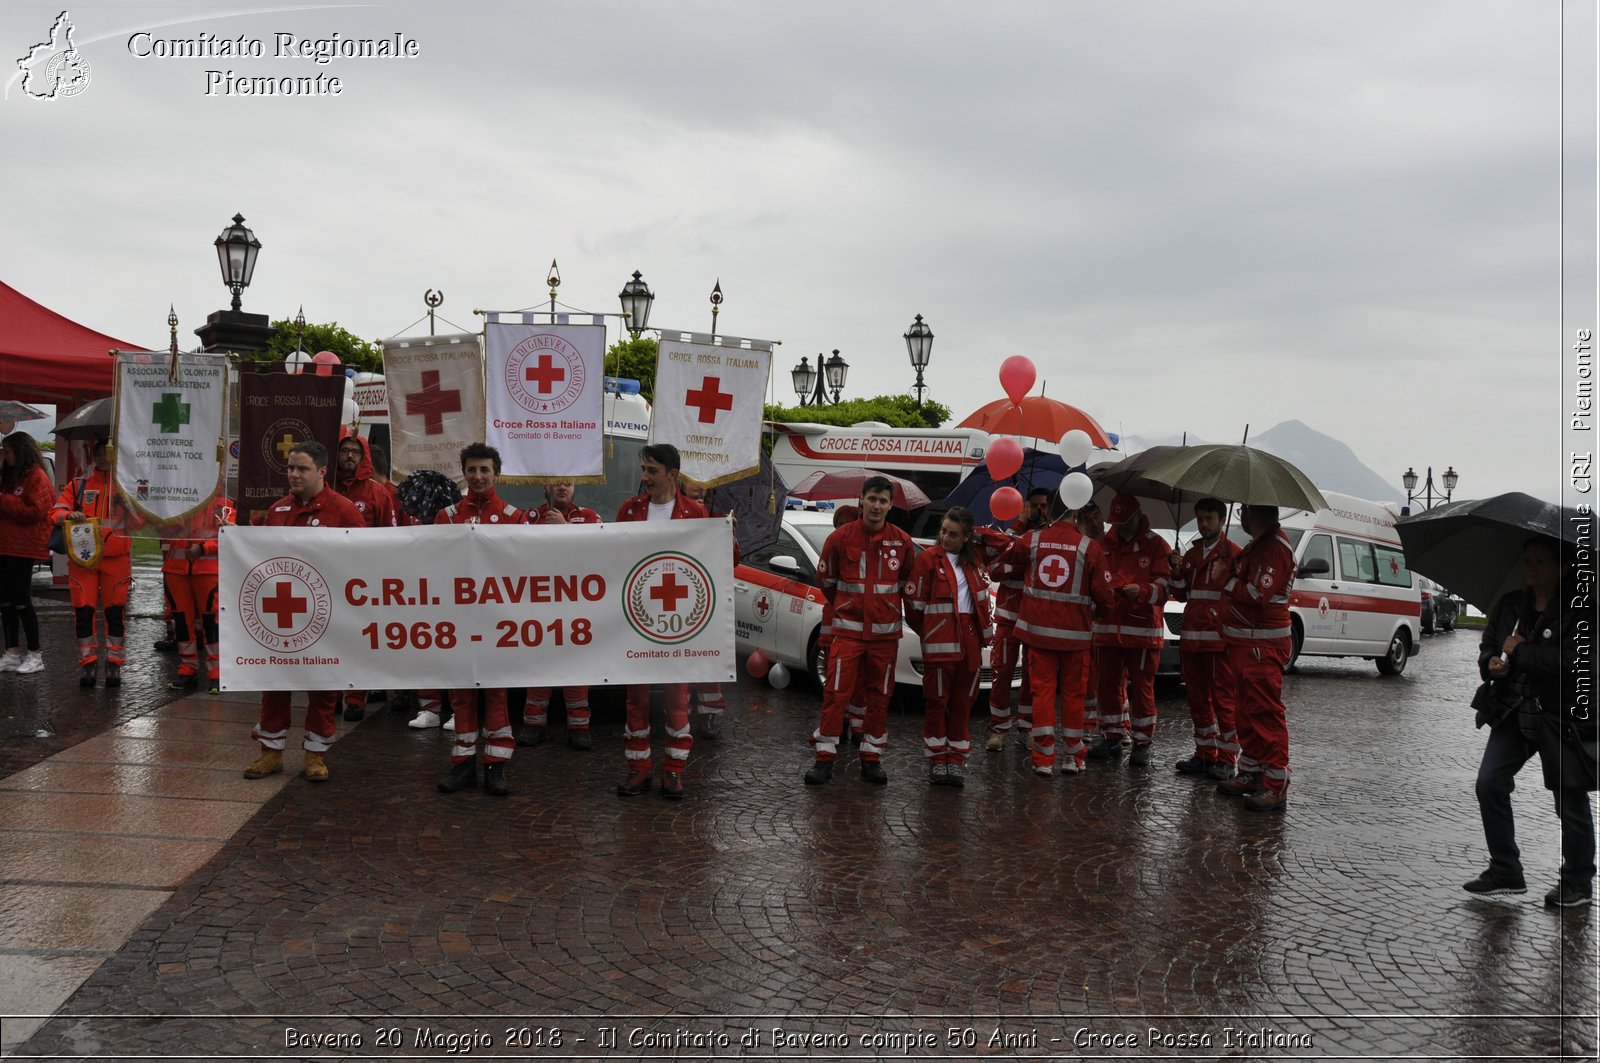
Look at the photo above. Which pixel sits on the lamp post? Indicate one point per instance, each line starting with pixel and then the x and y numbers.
pixel 237 249
pixel 233 329
pixel 919 345
pixel 1409 479
pixel 637 298
pixel 812 383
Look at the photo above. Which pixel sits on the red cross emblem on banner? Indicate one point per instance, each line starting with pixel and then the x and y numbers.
pixel 432 403
pixel 546 375
pixel 668 591
pixel 284 605
pixel 709 398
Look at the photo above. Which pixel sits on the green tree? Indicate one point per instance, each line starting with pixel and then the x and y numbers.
pixel 353 351
pixel 635 359
pixel 896 411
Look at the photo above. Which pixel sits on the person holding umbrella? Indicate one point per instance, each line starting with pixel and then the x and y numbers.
pixel 1522 648
pixel 1201 651
pixel 1129 634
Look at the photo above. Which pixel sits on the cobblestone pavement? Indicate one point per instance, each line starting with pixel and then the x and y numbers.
pixel 1118 913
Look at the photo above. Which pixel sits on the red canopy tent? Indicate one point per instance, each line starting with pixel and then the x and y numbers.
pixel 45 357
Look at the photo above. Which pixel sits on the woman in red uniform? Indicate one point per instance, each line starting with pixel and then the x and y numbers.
pixel 104 585
pixel 25 496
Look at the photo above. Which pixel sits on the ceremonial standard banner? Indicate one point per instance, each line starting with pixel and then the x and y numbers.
pixel 169 432
pixel 464 605
pixel 544 386
pixel 435 386
pixel 709 401
pixel 276 411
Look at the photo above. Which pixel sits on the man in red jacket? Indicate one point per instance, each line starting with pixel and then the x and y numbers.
pixel 560 507
pixel 480 468
pixel 1260 637
pixel 1207 680
pixel 1006 653
pixel 1128 635
pixel 659 464
pixel 375 501
pixel 863 569
pixel 310 503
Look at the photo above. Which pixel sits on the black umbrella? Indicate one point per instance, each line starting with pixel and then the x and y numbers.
pixel 425 492
pixel 1474 547
pixel 1166 506
pixel 87 422
pixel 757 500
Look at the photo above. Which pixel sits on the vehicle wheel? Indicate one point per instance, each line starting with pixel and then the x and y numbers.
pixel 818 659
pixel 1298 639
pixel 1450 623
pixel 1394 662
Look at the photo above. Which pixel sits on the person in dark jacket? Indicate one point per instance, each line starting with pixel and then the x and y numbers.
pixel 1521 652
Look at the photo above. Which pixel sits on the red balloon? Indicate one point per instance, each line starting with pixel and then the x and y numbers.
pixel 1005 458
pixel 324 361
pixel 1017 376
pixel 1006 503
pixel 758 665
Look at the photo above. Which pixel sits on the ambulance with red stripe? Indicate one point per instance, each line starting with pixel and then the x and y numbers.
pixel 1353 594
pixel 935 459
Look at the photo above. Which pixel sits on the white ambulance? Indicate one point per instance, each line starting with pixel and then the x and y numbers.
pixel 935 459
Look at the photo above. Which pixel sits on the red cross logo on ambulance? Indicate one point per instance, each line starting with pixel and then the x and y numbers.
pixel 544 374
pixel 1322 606
pixel 764 606
pixel 1054 571
pixel 285 604
pixel 668 598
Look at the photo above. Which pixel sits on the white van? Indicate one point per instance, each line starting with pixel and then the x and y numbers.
pixel 1353 594
pixel 935 459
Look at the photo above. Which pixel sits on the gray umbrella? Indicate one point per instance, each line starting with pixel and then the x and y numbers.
pixel 1166 506
pixel 1234 472
pixel 87 421
pixel 1474 547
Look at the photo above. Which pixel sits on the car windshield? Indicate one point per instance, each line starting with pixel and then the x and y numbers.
pixel 814 534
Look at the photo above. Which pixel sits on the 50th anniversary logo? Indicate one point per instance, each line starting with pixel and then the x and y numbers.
pixel 56 68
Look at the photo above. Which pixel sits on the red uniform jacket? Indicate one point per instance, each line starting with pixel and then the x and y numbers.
pixel 931 606
pixel 374 500
pixel 1064 577
pixel 480 509
pixel 1142 560
pixel 96 496
pixel 1257 595
pixel 25 517
pixel 993 544
pixel 638 508
pixel 200 528
pixel 329 509
pixel 862 575
pixel 1203 614
pixel 575 514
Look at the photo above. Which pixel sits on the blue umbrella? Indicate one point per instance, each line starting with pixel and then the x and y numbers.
pixel 1040 468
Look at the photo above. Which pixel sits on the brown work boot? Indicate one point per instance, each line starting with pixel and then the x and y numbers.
pixel 996 742
pixel 1242 785
pixel 316 769
pixel 270 762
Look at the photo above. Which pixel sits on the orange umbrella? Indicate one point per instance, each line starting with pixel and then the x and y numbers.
pixel 1036 416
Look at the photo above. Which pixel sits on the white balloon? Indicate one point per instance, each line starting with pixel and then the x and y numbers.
pixel 778 675
pixel 1076 490
pixel 351 411
pixel 296 361
pixel 1075 446
pixel 349 390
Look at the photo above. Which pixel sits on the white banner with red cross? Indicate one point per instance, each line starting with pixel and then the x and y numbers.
pixel 545 387
pixel 709 400
pixel 470 605
pixel 435 396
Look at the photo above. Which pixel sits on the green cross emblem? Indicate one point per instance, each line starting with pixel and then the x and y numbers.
pixel 171 412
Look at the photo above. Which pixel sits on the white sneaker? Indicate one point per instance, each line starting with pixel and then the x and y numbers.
pixel 10 662
pixel 424 719
pixel 449 724
pixel 1070 767
pixel 33 662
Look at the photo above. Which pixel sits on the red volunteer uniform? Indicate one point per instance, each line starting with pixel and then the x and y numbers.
pixel 1202 652
pixel 191 586
pixel 1260 638
pixel 1128 634
pixel 947 605
pixel 536 712
pixel 329 509
pixel 1064 578
pixel 498 742
pixel 376 502
pixel 107 583
pixel 862 576
pixel 25 529
pixel 636 732
pixel 1006 652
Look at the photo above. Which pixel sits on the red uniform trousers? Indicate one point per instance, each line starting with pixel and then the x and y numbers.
pixel 636 732
pixel 192 598
pixel 948 691
pixel 707 699
pixel 1091 694
pixel 106 586
pixel 1136 668
pixel 497 739
pixel 1208 682
pixel 865 670
pixel 1263 722
pixel 1058 676
pixel 536 713
pixel 273 726
pixel 1008 654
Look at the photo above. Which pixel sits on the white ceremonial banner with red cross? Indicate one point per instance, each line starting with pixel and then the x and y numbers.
pixel 435 396
pixel 709 400
pixel 544 388
pixel 468 605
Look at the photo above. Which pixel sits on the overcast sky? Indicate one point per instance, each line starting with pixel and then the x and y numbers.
pixel 1192 216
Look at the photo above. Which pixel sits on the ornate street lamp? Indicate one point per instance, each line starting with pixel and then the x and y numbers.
pixel 637 299
pixel 1409 480
pixel 813 386
pixel 237 249
pixel 919 345
pixel 836 369
pixel 805 380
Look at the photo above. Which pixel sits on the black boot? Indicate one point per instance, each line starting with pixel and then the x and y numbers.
pixel 494 779
pixel 463 775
